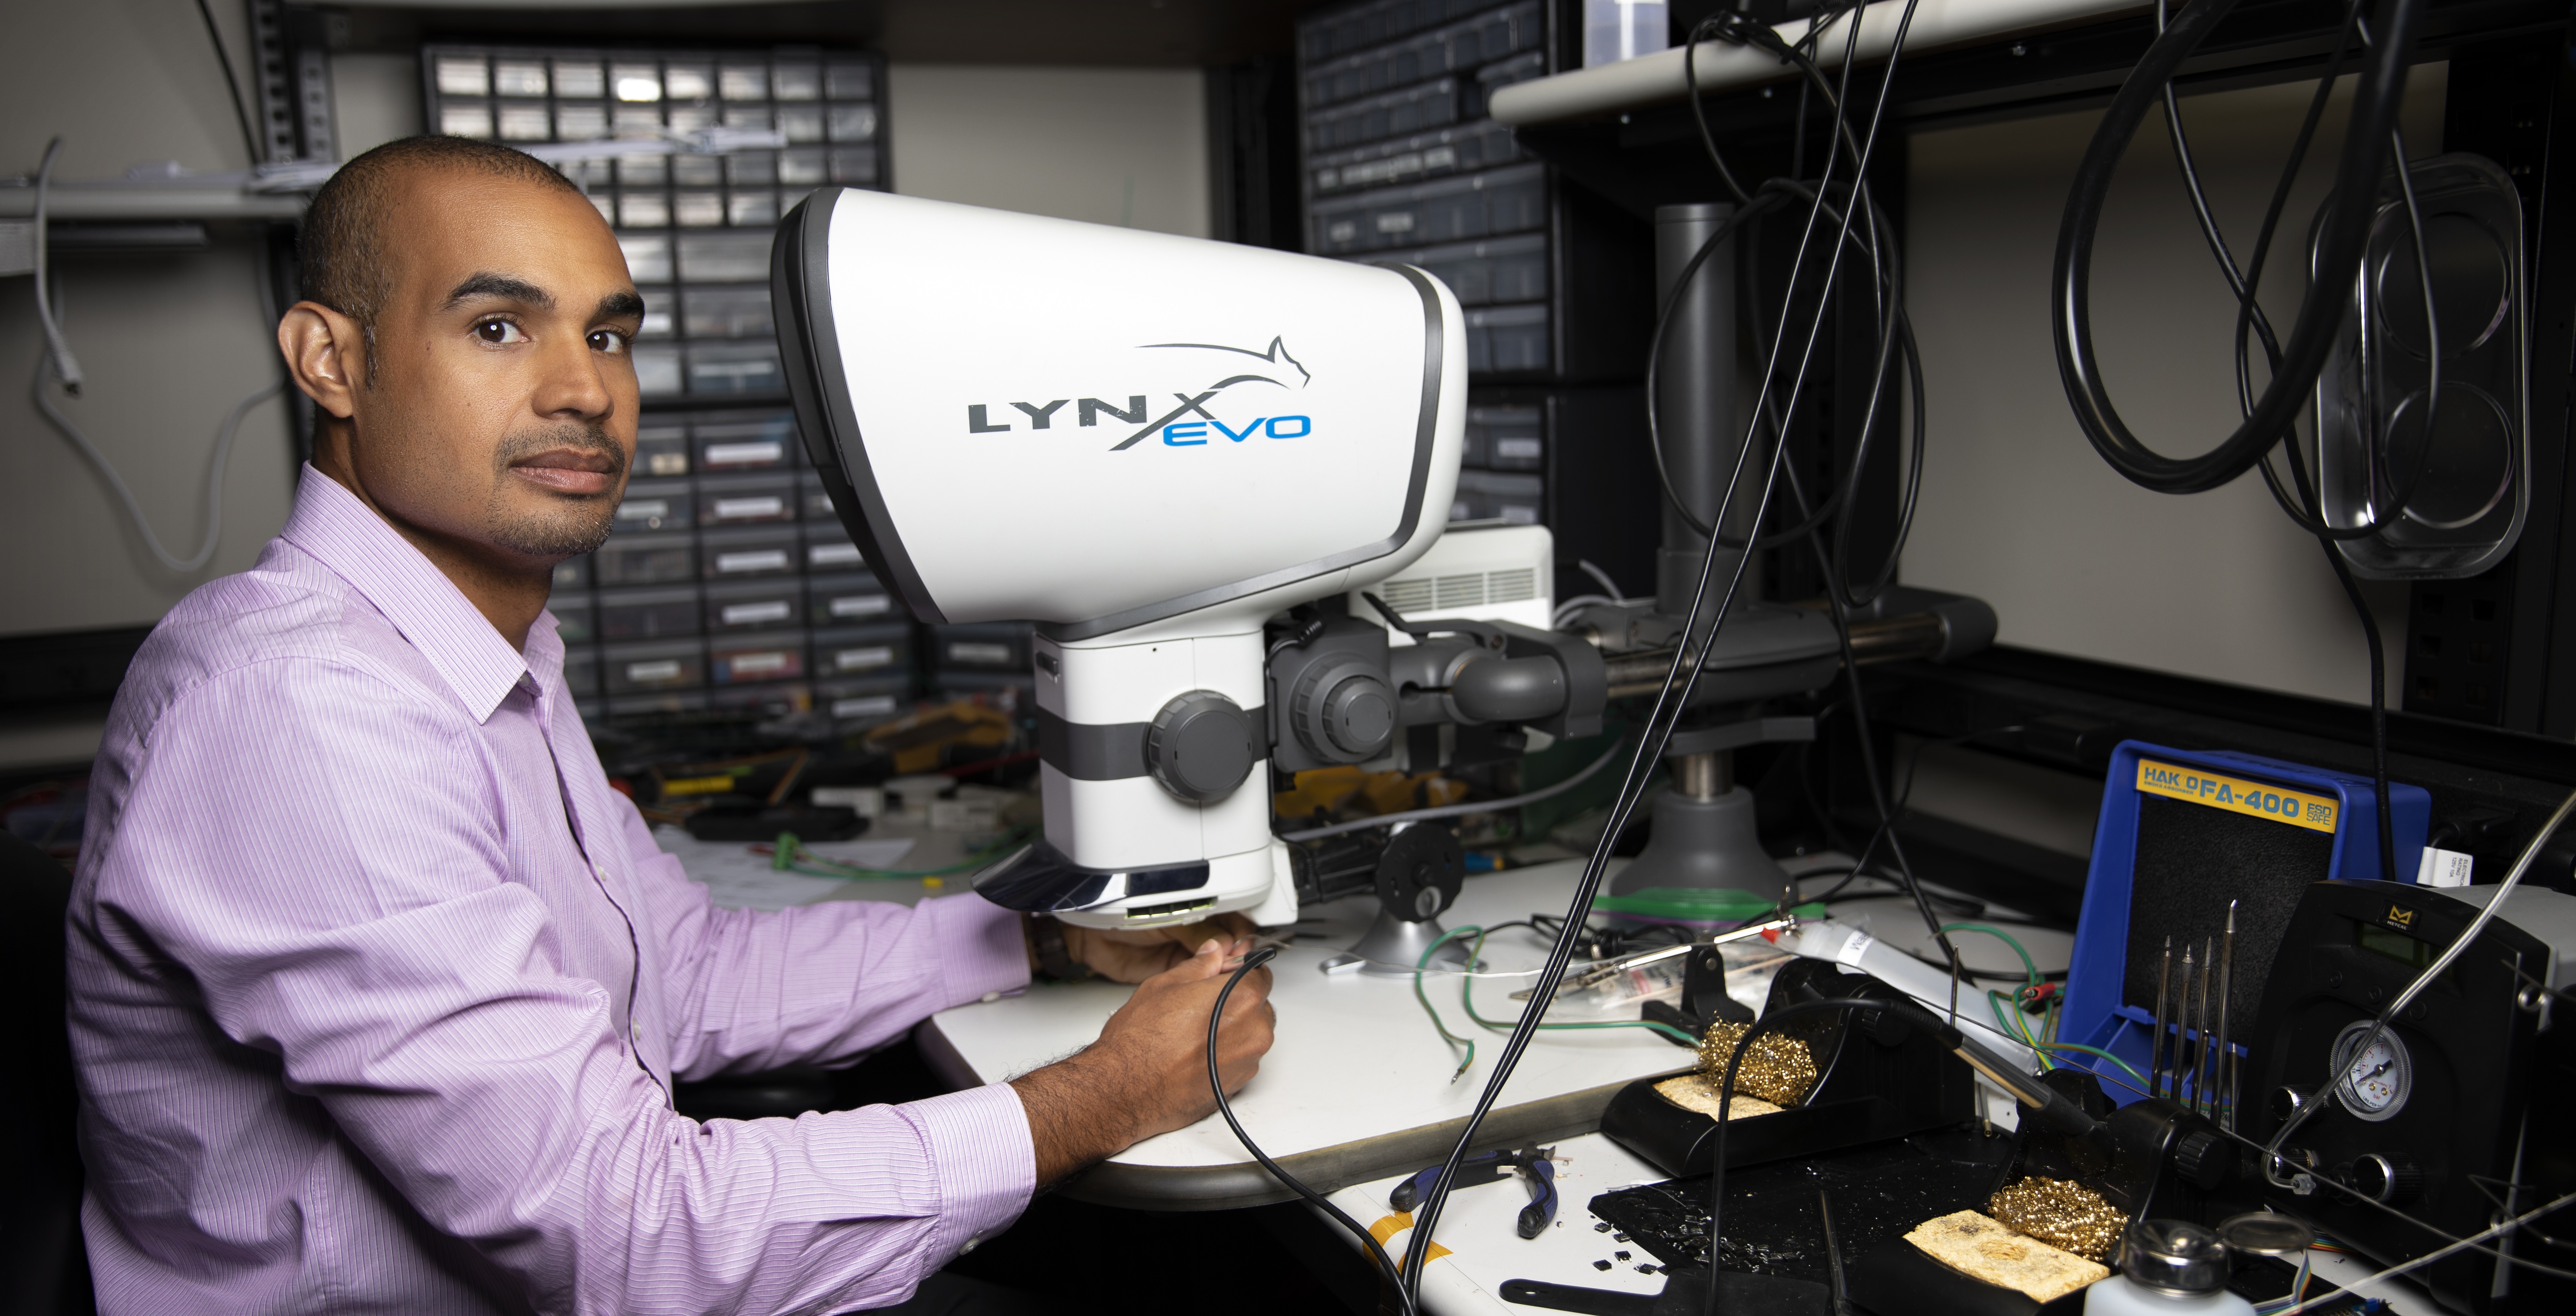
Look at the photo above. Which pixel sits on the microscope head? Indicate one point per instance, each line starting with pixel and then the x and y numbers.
pixel 1147 445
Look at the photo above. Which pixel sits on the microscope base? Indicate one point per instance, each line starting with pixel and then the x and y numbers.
pixel 1392 947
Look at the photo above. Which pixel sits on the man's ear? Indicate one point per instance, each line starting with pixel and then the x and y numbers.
pixel 326 353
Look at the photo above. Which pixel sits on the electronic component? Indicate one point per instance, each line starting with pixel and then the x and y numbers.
pixel 2195 853
pixel 2445 1114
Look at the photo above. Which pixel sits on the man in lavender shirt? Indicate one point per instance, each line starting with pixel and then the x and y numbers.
pixel 377 989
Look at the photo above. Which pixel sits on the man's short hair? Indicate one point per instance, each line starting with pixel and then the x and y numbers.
pixel 344 255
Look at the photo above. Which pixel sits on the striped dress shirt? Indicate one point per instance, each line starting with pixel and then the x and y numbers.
pixel 378 991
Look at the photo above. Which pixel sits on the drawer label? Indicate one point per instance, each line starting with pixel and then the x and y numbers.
pixel 861 605
pixel 744 454
pixel 759 664
pixel 863 706
pixel 767 559
pixel 744 509
pixel 660 669
pixel 851 660
pixel 752 614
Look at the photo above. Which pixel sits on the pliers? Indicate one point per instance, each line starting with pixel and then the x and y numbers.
pixel 1537 1168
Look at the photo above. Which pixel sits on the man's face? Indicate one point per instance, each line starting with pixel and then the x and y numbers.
pixel 499 408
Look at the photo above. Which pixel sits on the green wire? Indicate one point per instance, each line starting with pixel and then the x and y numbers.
pixel 2028 965
pixel 2097 1051
pixel 2012 1023
pixel 1427 1008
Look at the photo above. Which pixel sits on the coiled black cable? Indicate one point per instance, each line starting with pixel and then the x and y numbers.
pixel 2341 238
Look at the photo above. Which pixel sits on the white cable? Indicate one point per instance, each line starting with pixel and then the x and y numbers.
pixel 1607 584
pixel 66 370
pixel 66 366
pixel 2430 1257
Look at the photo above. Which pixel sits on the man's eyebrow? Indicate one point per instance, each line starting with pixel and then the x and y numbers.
pixel 618 305
pixel 502 286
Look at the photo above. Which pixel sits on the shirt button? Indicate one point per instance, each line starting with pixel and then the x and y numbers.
pixel 636 1031
pixel 990 997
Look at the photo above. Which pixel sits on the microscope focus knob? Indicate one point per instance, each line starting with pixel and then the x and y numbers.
pixel 1344 711
pixel 1200 747
pixel 2390 1179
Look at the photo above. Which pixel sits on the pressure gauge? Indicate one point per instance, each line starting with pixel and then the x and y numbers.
pixel 2372 1084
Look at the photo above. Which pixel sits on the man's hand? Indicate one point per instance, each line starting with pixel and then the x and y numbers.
pixel 1148 1072
pixel 1135 954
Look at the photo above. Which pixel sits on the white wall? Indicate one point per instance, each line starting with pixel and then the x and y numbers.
pixel 1108 146
pixel 169 343
pixel 2016 507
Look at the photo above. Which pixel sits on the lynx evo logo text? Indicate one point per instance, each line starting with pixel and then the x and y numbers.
pixel 1259 404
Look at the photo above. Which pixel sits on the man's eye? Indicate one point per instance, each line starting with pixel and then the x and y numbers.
pixel 609 341
pixel 499 332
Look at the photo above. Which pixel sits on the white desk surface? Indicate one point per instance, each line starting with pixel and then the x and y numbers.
pixel 1355 1059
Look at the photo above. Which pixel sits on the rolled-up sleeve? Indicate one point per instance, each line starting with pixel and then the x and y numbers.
pixel 351 913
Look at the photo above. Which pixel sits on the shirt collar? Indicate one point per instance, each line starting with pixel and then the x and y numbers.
pixel 347 536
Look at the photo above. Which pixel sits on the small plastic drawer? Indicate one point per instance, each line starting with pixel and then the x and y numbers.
pixel 581 670
pixel 724 257
pixel 817 499
pixel 659 613
pixel 657 368
pixel 828 548
pixel 648 256
pixel 766 702
pixel 852 598
pixel 658 320
pixel 656 505
pixel 1511 438
pixel 746 499
pixel 855 704
pixel 662 451
pixel 646 559
pixel 754 605
pixel 853 651
pixel 751 659
pixel 576 619
pixel 989 646
pixel 654 666
pixel 735 368
pixel 573 573
pixel 748 552
pixel 726 311
pixel 729 442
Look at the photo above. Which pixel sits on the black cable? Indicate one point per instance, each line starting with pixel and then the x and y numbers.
pixel 2307 511
pixel 1650 746
pixel 1770 1021
pixel 2340 241
pixel 241 110
pixel 1835 600
pixel 1216 1084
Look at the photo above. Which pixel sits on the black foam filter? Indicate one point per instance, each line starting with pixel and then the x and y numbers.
pixel 2192 860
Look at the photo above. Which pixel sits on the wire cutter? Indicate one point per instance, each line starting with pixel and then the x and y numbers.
pixel 1537 1168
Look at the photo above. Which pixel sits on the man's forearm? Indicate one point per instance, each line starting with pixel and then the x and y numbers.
pixel 1079 1111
